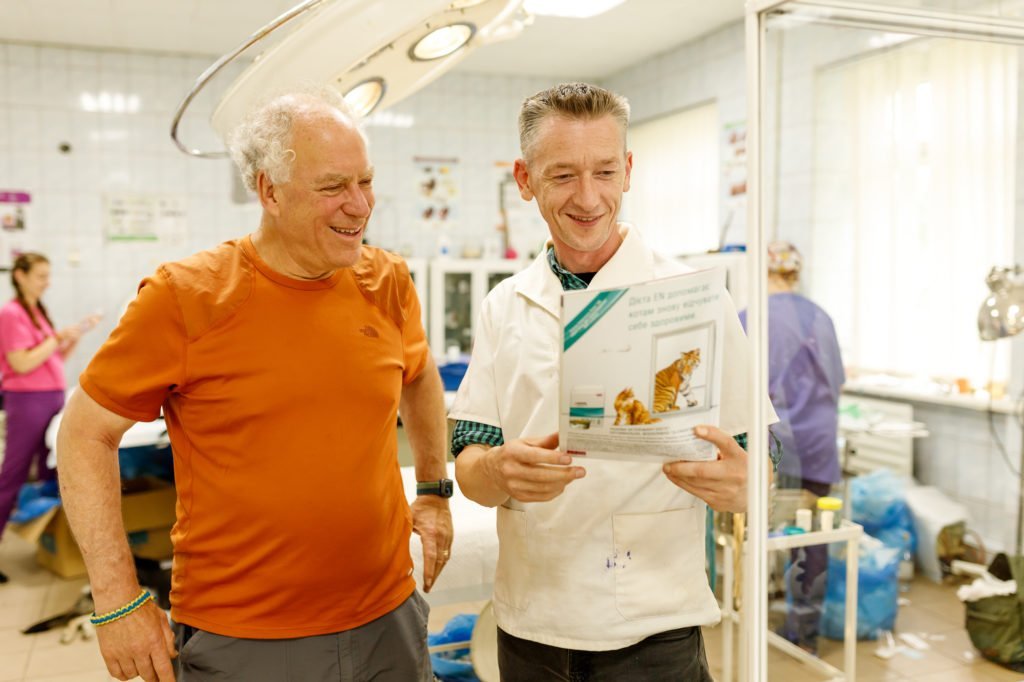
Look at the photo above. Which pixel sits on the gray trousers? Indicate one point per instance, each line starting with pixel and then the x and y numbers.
pixel 392 648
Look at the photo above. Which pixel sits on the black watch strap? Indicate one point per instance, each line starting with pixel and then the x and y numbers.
pixel 442 488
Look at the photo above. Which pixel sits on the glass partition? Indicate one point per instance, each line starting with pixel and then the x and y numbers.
pixel 883 145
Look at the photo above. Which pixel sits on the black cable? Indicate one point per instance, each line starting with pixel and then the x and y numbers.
pixel 999 442
pixel 991 418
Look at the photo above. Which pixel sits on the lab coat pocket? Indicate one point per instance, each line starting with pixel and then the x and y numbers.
pixel 655 558
pixel 512 575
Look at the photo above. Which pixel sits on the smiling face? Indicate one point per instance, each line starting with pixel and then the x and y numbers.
pixel 577 170
pixel 319 216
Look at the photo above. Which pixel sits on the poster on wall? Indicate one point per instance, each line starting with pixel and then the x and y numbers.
pixel 14 220
pixel 438 183
pixel 131 217
pixel 734 180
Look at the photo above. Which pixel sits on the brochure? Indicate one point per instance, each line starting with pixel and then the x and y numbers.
pixel 640 367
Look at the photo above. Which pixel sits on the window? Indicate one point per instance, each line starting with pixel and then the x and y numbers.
pixel 673 196
pixel 915 155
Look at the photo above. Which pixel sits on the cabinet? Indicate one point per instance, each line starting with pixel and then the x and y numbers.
pixel 457 290
pixel 877 434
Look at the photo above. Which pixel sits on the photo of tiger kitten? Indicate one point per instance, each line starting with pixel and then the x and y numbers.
pixel 629 411
pixel 673 380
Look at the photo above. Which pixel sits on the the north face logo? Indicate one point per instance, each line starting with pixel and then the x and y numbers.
pixel 371 332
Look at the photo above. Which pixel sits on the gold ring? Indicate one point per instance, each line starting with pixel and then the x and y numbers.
pixel 445 553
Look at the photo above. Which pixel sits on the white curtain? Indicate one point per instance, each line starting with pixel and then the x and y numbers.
pixel 915 155
pixel 673 198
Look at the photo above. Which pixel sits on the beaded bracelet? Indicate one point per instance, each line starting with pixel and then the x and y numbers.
pixel 120 613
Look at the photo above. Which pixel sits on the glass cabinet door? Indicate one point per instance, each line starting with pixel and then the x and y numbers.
pixel 495 278
pixel 458 311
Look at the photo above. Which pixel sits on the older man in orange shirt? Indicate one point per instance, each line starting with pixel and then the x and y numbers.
pixel 280 361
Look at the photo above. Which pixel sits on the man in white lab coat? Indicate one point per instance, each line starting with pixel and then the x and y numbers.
pixel 601 564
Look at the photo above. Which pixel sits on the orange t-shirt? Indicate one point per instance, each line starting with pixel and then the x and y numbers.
pixel 281 399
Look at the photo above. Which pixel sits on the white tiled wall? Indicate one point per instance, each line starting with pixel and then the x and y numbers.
pixel 464 116
pixel 961 458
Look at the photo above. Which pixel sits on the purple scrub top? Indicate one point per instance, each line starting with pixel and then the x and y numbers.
pixel 805 375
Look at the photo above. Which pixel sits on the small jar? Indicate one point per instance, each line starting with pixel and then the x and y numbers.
pixel 827 508
pixel 803 519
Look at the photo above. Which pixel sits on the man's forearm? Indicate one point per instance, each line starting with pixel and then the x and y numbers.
pixel 91 495
pixel 423 416
pixel 474 481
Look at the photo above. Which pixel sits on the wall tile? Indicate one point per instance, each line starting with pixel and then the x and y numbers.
pixel 23 55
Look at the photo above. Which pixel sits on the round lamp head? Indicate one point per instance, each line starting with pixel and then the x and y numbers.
pixel 441 42
pixel 1002 312
pixel 364 96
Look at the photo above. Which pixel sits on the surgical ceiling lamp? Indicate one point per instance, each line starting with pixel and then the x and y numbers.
pixel 375 52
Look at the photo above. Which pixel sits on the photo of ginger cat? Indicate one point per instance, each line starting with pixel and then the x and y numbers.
pixel 675 379
pixel 630 411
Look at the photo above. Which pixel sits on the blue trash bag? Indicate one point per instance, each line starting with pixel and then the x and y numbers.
pixel 454 666
pixel 878 503
pixel 877 590
pixel 452 374
pixel 34 500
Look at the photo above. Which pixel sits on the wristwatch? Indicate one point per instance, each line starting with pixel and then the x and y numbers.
pixel 442 488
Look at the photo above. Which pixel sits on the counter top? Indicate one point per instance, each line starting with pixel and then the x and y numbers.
pixel 915 395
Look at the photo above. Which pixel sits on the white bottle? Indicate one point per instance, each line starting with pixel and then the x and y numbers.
pixel 803 519
pixel 827 508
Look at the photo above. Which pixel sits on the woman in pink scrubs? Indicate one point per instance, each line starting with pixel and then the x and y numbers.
pixel 32 365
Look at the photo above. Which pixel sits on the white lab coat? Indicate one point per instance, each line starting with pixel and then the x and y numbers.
pixel 619 556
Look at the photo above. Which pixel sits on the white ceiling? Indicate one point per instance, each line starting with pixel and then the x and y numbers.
pixel 584 48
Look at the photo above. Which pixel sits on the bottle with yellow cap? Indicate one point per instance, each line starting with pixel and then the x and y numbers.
pixel 827 508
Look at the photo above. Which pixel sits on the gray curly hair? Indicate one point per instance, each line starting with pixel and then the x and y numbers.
pixel 571 100
pixel 262 140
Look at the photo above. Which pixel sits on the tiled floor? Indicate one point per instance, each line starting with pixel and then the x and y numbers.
pixel 933 612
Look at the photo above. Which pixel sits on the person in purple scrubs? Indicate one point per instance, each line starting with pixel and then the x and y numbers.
pixel 32 357
pixel 805 375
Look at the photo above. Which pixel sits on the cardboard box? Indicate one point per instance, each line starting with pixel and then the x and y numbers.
pixel 147 507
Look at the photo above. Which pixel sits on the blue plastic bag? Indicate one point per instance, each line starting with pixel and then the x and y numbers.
pixel 454 666
pixel 452 374
pixel 877 590
pixel 878 503
pixel 34 500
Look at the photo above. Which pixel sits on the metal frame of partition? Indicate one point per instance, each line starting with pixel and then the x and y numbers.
pixel 865 15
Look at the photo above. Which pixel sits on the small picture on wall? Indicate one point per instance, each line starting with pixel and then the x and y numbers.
pixel 14 208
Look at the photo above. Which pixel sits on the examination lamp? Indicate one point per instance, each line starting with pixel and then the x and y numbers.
pixel 375 52
pixel 1002 315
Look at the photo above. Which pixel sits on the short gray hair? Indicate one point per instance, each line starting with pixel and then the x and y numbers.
pixel 262 140
pixel 571 100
